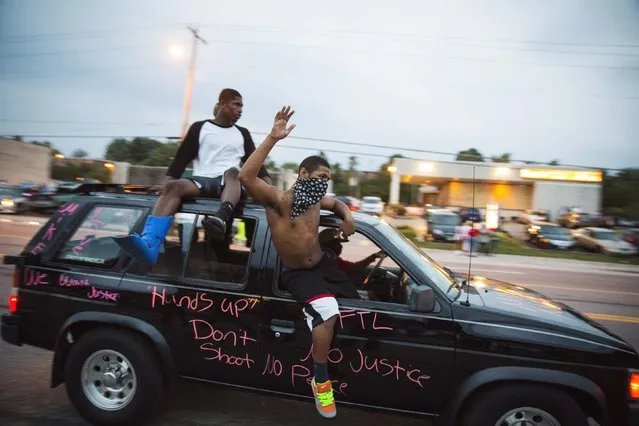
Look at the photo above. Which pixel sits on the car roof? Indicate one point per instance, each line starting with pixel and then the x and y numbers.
pixel 443 211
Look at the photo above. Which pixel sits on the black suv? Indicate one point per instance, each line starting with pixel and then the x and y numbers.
pixel 420 341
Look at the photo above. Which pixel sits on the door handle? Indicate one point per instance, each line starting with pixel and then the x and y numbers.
pixel 282 326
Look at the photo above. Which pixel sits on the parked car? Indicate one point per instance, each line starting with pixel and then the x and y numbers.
pixel 474 215
pixel 550 235
pixel 462 352
pixel 441 224
pixel 372 205
pixel 351 202
pixel 603 240
pixel 12 200
pixel 529 216
pixel 631 236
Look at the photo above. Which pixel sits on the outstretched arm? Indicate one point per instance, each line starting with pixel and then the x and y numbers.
pixel 348 224
pixel 261 191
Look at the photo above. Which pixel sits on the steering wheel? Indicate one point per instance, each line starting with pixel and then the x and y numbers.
pixel 377 265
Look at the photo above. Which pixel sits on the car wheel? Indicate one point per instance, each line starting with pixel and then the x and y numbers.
pixel 524 405
pixel 113 377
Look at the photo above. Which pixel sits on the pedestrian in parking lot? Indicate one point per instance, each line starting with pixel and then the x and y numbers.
pixel 311 276
pixel 217 148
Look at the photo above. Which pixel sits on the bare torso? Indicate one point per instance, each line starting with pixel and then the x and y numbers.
pixel 297 242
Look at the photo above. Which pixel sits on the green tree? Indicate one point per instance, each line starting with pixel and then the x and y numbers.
pixel 323 155
pixel 118 150
pixel 503 158
pixel 353 162
pixel 136 151
pixel 340 179
pixel 79 153
pixel 380 187
pixel 17 138
pixel 290 166
pixel 271 165
pixel 620 193
pixel 554 163
pixel 470 154
pixel 162 156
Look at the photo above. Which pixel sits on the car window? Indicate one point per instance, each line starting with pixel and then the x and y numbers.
pixel 356 259
pixel 175 248
pixel 222 261
pixel 92 244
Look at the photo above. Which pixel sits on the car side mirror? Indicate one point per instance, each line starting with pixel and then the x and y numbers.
pixel 422 299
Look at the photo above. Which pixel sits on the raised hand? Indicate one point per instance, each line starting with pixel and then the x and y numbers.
pixel 280 131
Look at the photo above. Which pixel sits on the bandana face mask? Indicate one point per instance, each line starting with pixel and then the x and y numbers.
pixel 306 193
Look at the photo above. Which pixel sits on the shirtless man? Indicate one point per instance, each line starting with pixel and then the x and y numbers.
pixel 312 277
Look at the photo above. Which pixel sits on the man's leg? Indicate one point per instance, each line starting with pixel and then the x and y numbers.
pixel 322 335
pixel 172 195
pixel 217 223
pixel 145 248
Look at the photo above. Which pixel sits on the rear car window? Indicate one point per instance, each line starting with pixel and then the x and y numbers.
pixel 92 244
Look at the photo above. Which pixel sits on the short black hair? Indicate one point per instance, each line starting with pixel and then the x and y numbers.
pixel 313 162
pixel 227 95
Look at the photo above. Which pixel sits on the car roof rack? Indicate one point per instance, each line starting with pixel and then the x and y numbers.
pixel 87 188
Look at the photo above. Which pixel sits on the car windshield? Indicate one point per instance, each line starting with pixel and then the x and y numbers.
pixel 553 230
pixel 606 236
pixel 370 200
pixel 6 192
pixel 435 273
pixel 445 219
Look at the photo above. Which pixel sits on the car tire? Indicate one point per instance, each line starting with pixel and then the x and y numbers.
pixel 506 406
pixel 92 389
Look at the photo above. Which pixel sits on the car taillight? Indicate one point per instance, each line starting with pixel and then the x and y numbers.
pixel 13 297
pixel 13 301
pixel 352 208
pixel 633 385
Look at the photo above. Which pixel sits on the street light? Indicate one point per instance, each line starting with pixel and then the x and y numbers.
pixel 176 51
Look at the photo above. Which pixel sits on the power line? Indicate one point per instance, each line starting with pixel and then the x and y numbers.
pixel 396 149
pixel 253 28
pixel 377 53
pixel 82 34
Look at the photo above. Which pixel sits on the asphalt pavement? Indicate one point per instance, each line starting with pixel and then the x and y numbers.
pixel 608 293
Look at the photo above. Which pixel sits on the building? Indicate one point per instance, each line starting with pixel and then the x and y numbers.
pixel 514 187
pixel 24 162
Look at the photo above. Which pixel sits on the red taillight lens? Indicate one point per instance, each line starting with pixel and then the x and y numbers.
pixel 13 303
pixel 634 385
pixel 352 208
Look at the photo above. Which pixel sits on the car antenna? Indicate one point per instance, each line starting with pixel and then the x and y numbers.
pixel 470 252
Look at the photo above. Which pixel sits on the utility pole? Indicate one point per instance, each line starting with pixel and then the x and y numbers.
pixel 189 82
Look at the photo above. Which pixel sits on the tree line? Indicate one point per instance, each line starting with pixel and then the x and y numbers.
pixel 619 190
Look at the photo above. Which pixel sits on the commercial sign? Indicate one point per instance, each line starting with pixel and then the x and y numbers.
pixel 563 175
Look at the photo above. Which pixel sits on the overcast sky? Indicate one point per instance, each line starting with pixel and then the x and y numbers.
pixel 541 79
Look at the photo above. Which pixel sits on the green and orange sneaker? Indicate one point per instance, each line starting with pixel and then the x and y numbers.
pixel 324 400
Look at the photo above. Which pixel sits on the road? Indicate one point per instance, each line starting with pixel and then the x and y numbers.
pixel 607 293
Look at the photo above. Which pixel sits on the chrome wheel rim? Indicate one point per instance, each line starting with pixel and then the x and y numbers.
pixel 527 416
pixel 108 380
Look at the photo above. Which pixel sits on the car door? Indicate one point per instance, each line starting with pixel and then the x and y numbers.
pixel 382 355
pixel 203 296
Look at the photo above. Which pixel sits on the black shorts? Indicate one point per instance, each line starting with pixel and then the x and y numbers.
pixel 317 288
pixel 212 187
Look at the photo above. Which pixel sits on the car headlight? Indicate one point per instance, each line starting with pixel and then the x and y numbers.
pixel 7 202
pixel 438 232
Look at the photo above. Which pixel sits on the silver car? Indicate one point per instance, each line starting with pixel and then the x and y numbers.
pixel 603 240
pixel 12 200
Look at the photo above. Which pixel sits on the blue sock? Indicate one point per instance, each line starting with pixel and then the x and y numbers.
pixel 321 372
